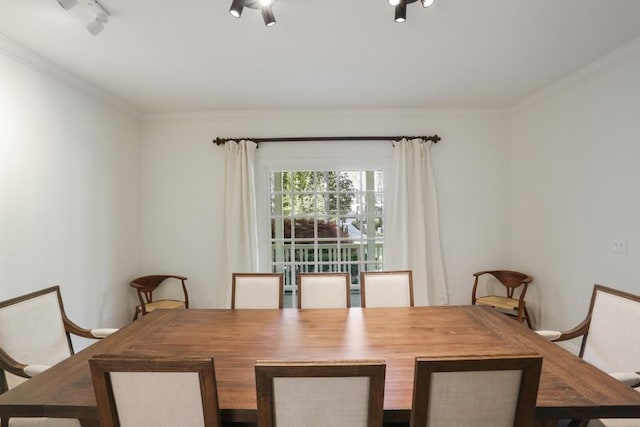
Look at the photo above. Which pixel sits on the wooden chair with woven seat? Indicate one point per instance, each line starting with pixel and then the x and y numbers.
pixel 324 290
pixel 146 285
pixel 35 334
pixel 386 288
pixel 158 391
pixel 344 393
pixel 496 391
pixel 257 290
pixel 508 303
pixel 610 341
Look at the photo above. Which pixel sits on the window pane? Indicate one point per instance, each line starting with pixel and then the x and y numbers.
pixel 326 221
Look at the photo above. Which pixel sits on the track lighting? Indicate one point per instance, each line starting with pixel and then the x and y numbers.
pixel 401 7
pixel 267 15
pixel 401 11
pixel 236 8
pixel 68 4
pixel 264 5
pixel 96 25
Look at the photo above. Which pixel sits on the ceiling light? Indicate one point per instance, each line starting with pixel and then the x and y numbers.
pixel 267 15
pixel 401 11
pixel 401 7
pixel 264 5
pixel 236 8
pixel 68 4
pixel 96 26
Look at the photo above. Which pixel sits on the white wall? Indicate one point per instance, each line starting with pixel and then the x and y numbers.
pixel 576 188
pixel 69 189
pixel 182 185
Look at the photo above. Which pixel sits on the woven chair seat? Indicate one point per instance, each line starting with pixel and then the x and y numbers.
pixel 504 303
pixel 168 304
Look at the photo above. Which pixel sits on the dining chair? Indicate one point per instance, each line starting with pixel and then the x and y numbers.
pixel 610 339
pixel 509 302
pixel 496 391
pixel 347 393
pixel 257 290
pixel 386 288
pixel 35 333
pixel 158 391
pixel 324 290
pixel 145 287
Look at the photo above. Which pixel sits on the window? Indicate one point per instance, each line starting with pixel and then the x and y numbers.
pixel 324 221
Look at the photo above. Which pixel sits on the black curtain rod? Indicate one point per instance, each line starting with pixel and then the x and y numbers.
pixel 432 138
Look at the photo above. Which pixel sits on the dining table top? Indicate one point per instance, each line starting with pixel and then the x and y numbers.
pixel 569 387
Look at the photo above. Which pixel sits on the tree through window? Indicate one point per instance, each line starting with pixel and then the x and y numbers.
pixel 324 221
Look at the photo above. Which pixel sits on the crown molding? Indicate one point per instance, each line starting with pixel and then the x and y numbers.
pixel 19 53
pixel 324 114
pixel 605 63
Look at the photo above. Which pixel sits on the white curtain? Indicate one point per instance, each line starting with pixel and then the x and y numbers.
pixel 240 218
pixel 412 231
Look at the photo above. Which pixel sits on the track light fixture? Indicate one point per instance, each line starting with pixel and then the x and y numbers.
pixel 401 7
pixel 237 6
pixel 96 25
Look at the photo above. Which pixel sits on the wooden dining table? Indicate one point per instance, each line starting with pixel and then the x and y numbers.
pixel 569 387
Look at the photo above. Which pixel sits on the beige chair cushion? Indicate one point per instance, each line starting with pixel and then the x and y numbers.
pixel 43 422
pixel 612 345
pixel 164 392
pixel 259 292
pixel 388 290
pixel 321 402
pixel 454 398
pixel 323 291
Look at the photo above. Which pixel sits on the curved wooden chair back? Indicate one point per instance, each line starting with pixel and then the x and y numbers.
pixel 328 393
pixel 495 391
pixel 511 280
pixel 155 391
pixel 146 285
pixel 386 288
pixel 257 290
pixel 324 290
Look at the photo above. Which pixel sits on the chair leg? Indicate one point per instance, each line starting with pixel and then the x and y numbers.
pixel 135 316
pixel 527 318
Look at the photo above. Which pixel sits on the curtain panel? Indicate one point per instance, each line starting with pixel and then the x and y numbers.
pixel 240 217
pixel 412 230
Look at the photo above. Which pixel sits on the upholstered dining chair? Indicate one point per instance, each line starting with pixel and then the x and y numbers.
pixel 324 290
pixel 496 391
pixel 610 339
pixel 386 288
pixel 257 290
pixel 158 391
pixel 146 285
pixel 320 393
pixel 509 303
pixel 34 335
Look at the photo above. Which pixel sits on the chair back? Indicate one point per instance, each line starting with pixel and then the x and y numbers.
pixel 324 290
pixel 257 290
pixel 155 391
pixel 612 342
pixel 386 288
pixel 496 391
pixel 507 278
pixel 33 330
pixel 318 394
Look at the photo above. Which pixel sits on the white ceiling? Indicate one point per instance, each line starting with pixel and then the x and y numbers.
pixel 192 55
